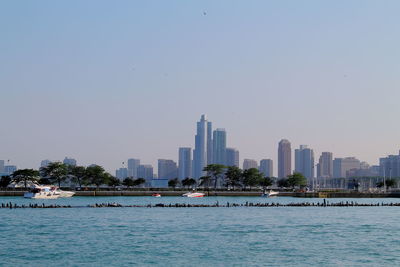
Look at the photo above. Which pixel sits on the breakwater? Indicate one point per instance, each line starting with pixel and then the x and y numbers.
pixel 324 204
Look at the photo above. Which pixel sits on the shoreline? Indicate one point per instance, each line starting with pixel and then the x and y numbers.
pixel 221 193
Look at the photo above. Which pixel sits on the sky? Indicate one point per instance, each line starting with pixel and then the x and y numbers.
pixel 104 81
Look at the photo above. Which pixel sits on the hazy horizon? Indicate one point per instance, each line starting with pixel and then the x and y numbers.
pixel 102 82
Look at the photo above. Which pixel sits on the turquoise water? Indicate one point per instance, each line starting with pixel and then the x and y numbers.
pixel 240 236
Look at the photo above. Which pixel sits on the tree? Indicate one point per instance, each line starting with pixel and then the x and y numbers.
pixel 216 171
pixel 233 176
pixel 283 182
pixel 78 174
pixel 251 177
pixel 173 183
pixel 44 180
pixel 205 181
pixel 390 183
pixel 297 179
pixel 113 181
pixel 55 171
pixel 139 181
pixel 25 175
pixel 5 181
pixel 128 182
pixel 265 182
pixel 96 175
pixel 188 182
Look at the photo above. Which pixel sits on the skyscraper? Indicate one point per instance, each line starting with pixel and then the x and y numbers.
pixel 145 172
pixel 202 154
pixel 266 167
pixel 1 166
pixel 185 162
pixel 325 165
pixel 9 169
pixel 389 166
pixel 133 165
pixel 284 159
pixel 342 165
pixel 167 169
pixel 219 146
pixel 232 157
pixel 45 162
pixel 121 173
pixel 249 164
pixel 69 161
pixel 304 161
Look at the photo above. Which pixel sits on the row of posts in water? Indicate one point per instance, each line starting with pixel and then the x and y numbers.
pixel 215 205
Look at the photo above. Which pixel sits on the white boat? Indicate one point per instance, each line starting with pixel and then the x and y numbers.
pixel 62 193
pixel 270 193
pixel 193 194
pixel 42 192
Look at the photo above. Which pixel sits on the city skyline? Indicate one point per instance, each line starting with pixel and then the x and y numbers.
pixel 74 85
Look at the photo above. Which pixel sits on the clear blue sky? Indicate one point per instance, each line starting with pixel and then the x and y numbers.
pixel 102 81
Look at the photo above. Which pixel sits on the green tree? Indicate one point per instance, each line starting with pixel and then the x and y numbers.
pixel 283 182
pixel 112 181
pixel 5 181
pixel 216 171
pixel 55 171
pixel 44 180
pixel 173 183
pixel 251 177
pixel 297 179
pixel 233 176
pixel 205 181
pixel 78 174
pixel 139 181
pixel 188 182
pixel 96 175
pixel 128 182
pixel 25 175
pixel 265 182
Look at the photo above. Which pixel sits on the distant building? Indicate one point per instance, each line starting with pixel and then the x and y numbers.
pixel 159 183
pixel 325 165
pixel 304 161
pixel 249 164
pixel 145 172
pixel 185 162
pixel 389 166
pixel 10 169
pixel 167 169
pixel 202 153
pixel 266 167
pixel 284 159
pixel 133 165
pixel 121 173
pixel 45 163
pixel 219 146
pixel 342 165
pixel 1 166
pixel 69 161
pixel 232 157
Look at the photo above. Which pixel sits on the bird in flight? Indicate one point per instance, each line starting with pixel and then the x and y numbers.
pixel 204 13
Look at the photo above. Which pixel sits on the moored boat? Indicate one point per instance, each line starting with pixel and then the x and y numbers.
pixel 156 195
pixel 270 193
pixel 193 194
pixel 42 192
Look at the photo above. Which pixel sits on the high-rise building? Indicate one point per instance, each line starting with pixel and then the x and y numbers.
pixel 249 164
pixel 133 165
pixel 185 162
pixel 304 161
pixel 266 167
pixel 145 172
pixel 45 163
pixel 121 173
pixel 341 166
pixel 219 146
pixel 69 161
pixel 389 167
pixel 232 157
pixel 284 159
pixel 1 166
pixel 167 169
pixel 325 165
pixel 202 154
pixel 10 169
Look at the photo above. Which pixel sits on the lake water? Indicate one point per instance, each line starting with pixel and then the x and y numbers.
pixel 240 236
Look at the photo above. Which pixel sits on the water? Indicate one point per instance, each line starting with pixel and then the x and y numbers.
pixel 241 236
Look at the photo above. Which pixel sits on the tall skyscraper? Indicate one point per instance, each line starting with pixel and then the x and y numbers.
pixel 185 162
pixel 219 146
pixel 1 166
pixel 342 165
pixel 167 169
pixel 232 157
pixel 121 173
pixel 389 167
pixel 202 154
pixel 69 161
pixel 9 169
pixel 45 162
pixel 145 172
pixel 325 165
pixel 266 167
pixel 284 159
pixel 249 164
pixel 304 161
pixel 133 165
